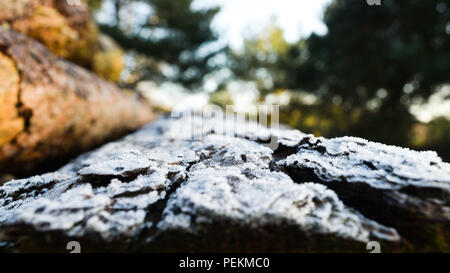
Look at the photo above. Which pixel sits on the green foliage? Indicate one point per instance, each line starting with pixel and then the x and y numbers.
pixel 267 59
pixel 171 35
pixel 221 98
pixel 94 4
pixel 368 48
pixel 365 72
pixel 435 136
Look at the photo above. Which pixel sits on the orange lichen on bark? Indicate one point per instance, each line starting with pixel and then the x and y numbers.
pixel 50 27
pixel 10 122
pixel 67 30
pixel 53 108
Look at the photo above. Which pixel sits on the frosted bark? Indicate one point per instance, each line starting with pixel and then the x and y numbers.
pixel 161 190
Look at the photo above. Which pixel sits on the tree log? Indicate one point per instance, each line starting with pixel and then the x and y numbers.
pixel 162 190
pixel 51 108
pixel 67 30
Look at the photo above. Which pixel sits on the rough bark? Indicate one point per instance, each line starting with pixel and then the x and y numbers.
pixel 50 108
pixel 67 30
pixel 181 185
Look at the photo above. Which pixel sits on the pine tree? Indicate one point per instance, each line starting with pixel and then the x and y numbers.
pixel 173 38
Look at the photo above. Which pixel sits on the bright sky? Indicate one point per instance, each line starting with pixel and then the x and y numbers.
pixel 237 17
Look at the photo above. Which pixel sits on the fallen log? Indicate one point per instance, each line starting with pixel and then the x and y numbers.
pixel 51 108
pixel 67 30
pixel 165 189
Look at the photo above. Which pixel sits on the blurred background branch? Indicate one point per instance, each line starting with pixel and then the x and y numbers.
pixel 371 73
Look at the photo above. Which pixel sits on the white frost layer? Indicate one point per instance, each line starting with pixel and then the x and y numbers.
pixel 225 194
pixel 381 166
pixel 112 191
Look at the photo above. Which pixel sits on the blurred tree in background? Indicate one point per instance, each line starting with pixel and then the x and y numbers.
pixel 397 53
pixel 365 72
pixel 267 59
pixel 173 38
pixel 94 5
pixel 360 78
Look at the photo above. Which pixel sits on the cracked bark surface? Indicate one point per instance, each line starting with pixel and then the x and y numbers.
pixel 401 188
pixel 163 190
pixel 51 108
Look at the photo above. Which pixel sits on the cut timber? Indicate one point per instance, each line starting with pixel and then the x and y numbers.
pixel 10 124
pixel 67 30
pixel 182 185
pixel 50 108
